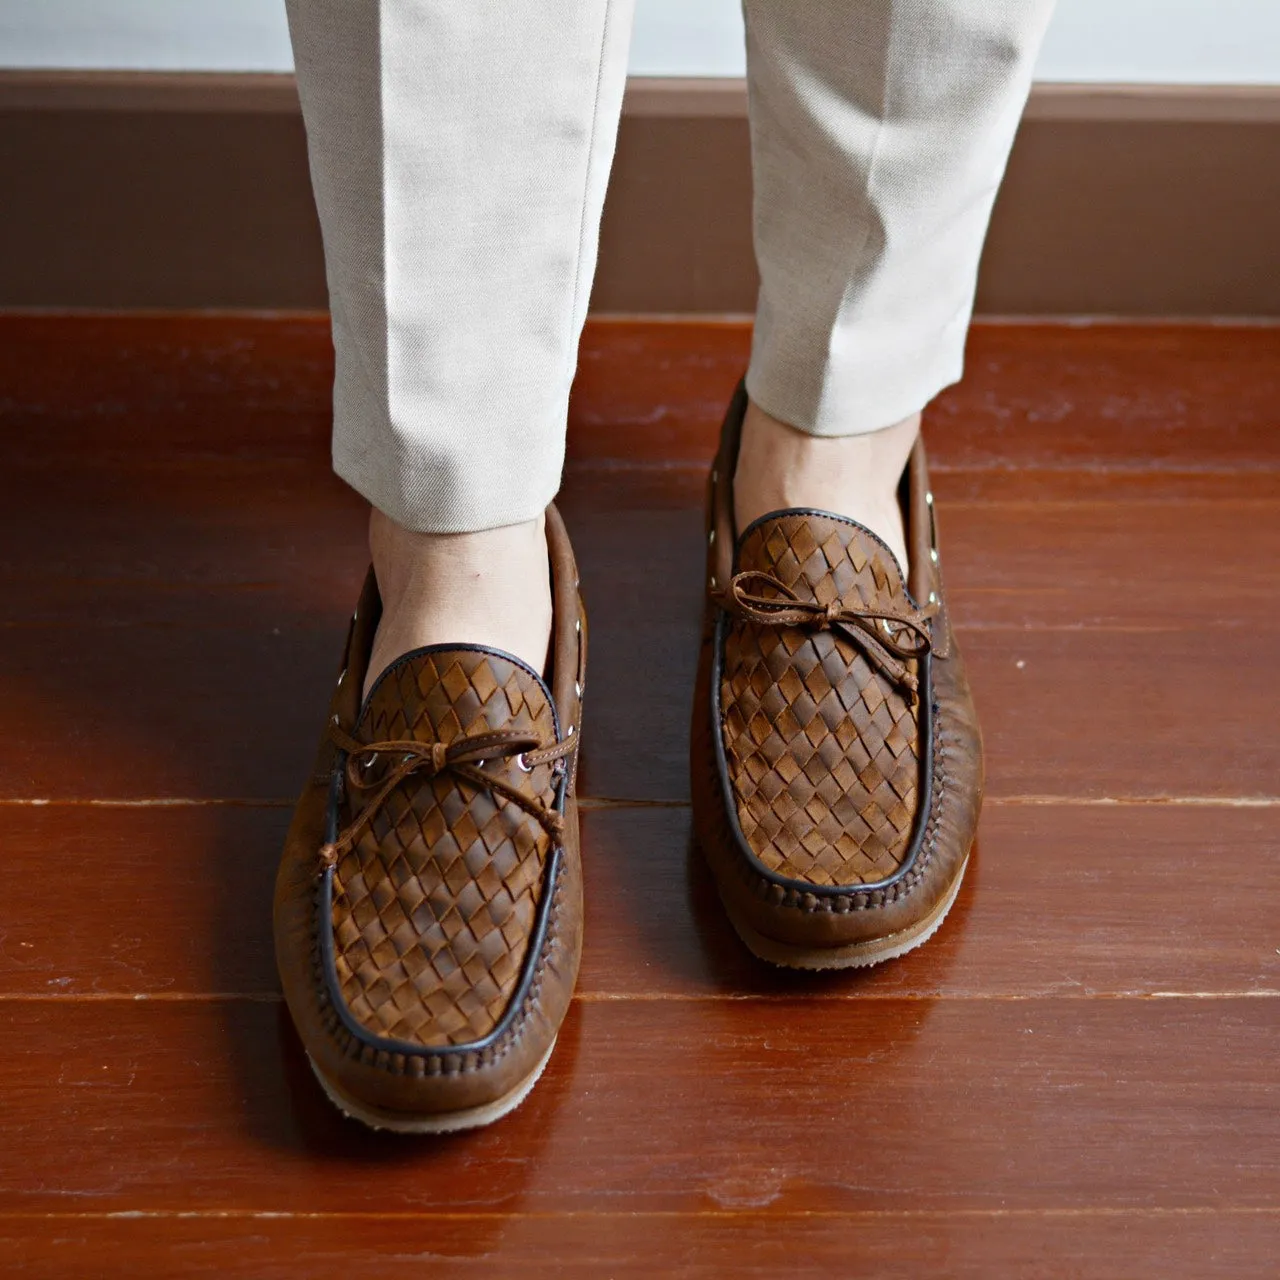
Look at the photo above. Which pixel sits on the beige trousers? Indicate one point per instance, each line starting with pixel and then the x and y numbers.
pixel 460 151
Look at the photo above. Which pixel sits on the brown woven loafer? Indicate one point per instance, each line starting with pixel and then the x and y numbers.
pixel 836 756
pixel 428 909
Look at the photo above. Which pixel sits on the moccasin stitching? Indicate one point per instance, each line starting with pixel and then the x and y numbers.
pixel 860 899
pixel 444 1061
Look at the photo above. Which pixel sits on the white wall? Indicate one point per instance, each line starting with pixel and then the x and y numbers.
pixel 151 35
pixel 1145 41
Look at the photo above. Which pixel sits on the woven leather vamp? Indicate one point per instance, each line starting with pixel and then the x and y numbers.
pixel 434 906
pixel 821 748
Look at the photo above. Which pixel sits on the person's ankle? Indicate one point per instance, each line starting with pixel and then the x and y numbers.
pixel 855 476
pixel 491 588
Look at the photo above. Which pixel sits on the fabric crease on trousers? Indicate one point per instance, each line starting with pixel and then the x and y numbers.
pixel 460 155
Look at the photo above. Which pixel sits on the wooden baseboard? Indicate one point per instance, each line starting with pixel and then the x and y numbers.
pixel 139 191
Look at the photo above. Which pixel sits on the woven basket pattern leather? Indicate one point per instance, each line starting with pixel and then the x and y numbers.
pixel 822 749
pixel 433 908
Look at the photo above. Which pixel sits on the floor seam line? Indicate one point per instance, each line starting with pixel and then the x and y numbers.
pixel 409 1215
pixel 605 803
pixel 674 997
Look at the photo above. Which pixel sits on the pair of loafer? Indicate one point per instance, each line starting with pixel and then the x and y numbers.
pixel 428 907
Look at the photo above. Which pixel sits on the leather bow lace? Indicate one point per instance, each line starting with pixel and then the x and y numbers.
pixel 463 757
pixel 889 636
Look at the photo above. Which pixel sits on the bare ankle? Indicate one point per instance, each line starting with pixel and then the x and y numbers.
pixel 490 588
pixel 855 476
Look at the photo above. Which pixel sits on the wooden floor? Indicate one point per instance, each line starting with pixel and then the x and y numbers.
pixel 1080 1076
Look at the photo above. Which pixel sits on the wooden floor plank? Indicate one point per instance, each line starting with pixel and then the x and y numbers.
pixel 189 544
pixel 1075 1077
pixel 141 712
pixel 218 694
pixel 184 545
pixel 1103 714
pixel 1087 714
pixel 1076 901
pixel 235 713
pixel 1163 398
pixel 690 1106
pixel 147 900
pixel 1193 1245
pixel 1102 397
pixel 1099 396
pixel 200 384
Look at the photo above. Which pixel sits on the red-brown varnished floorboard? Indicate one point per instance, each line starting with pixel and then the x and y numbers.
pixel 1076 1077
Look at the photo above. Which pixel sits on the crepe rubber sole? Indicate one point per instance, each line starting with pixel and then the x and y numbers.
pixel 444 1122
pixel 854 955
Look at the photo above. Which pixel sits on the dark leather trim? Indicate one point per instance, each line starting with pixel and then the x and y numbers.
pixel 925 752
pixel 839 519
pixel 537 939
pixel 387 1045
pixel 464 648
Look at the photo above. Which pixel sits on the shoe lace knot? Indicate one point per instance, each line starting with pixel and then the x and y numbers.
pixel 464 757
pixel 890 636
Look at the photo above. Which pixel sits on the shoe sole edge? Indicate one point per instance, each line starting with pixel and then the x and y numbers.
pixel 854 955
pixel 444 1122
